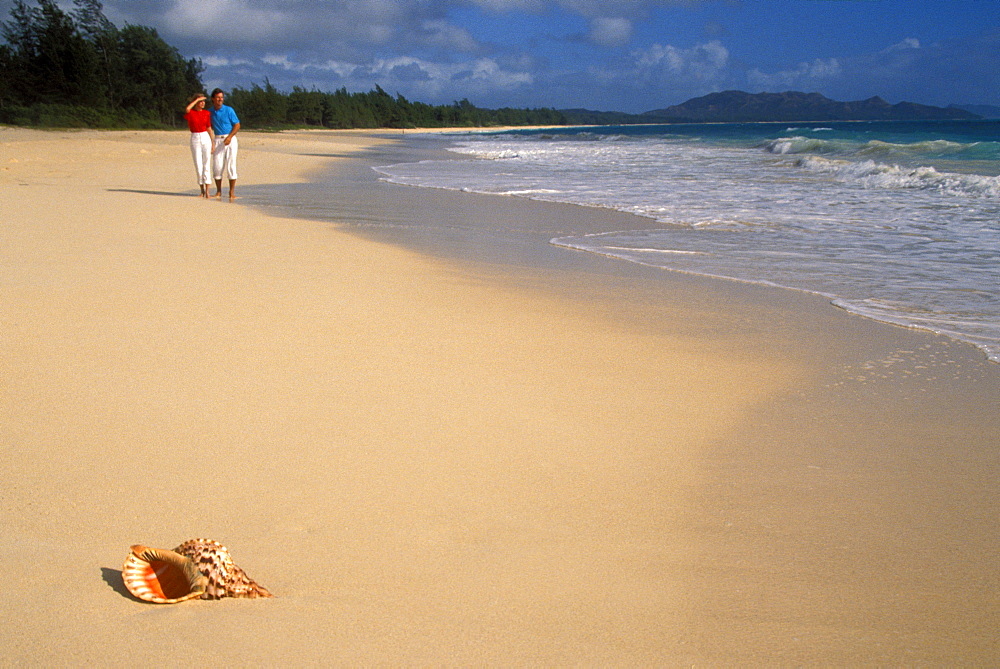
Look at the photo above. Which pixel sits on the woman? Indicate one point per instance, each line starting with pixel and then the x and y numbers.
pixel 199 122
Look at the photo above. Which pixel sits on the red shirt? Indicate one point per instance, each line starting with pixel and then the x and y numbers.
pixel 199 120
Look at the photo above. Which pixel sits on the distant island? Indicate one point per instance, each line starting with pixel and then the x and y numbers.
pixel 742 107
pixel 986 111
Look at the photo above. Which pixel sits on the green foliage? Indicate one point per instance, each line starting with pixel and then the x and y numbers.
pixel 78 70
pixel 259 107
pixel 45 115
pixel 268 108
pixel 50 59
pixel 158 77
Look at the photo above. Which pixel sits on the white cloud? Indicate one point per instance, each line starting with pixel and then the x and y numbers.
pixel 283 62
pixel 654 77
pixel 484 69
pixel 444 35
pixel 219 61
pixel 905 45
pixel 267 24
pixel 594 8
pixel 500 6
pixel 196 18
pixel 587 8
pixel 809 74
pixel 701 62
pixel 416 78
pixel 607 31
pixel 489 71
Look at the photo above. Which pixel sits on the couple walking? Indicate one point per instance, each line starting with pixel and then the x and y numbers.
pixel 213 142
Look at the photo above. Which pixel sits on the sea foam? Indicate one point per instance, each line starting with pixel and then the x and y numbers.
pixel 893 221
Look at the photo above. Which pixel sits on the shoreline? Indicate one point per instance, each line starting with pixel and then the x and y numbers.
pixel 441 242
pixel 459 460
pixel 974 331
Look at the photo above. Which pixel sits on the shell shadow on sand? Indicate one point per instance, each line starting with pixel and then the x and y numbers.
pixel 113 577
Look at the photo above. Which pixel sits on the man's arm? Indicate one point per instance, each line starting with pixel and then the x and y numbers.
pixel 236 129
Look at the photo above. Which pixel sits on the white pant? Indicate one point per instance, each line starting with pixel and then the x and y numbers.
pixel 224 157
pixel 201 151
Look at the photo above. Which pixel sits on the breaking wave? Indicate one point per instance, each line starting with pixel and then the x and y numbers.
pixel 873 174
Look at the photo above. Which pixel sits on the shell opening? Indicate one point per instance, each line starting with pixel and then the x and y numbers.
pixel 167 580
pixel 161 576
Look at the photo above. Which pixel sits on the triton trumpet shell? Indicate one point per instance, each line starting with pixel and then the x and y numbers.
pixel 197 568
pixel 162 576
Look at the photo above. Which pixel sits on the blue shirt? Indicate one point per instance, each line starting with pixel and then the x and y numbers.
pixel 223 119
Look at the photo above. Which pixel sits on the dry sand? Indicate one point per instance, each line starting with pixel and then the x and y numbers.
pixel 439 462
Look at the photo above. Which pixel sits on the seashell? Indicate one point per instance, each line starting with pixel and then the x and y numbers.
pixel 197 568
pixel 225 579
pixel 161 576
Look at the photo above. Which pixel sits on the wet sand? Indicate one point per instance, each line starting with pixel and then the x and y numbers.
pixel 453 459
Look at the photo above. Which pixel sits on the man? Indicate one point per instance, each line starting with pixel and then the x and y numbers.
pixel 225 125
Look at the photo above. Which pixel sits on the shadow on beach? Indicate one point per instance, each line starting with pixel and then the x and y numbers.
pixel 330 155
pixel 150 192
pixel 113 577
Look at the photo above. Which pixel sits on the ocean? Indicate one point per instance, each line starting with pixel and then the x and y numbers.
pixel 896 221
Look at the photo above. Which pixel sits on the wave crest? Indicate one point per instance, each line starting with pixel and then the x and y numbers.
pixel 873 174
pixel 799 144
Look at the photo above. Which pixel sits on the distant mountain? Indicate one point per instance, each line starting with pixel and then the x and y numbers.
pixel 737 106
pixel 986 111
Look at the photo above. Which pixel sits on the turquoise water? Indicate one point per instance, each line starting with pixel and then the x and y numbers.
pixel 898 221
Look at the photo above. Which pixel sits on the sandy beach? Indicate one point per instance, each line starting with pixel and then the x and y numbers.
pixel 433 460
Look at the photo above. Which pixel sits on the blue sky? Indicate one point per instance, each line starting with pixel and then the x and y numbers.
pixel 625 55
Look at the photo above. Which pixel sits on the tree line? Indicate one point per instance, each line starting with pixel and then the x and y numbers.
pixel 77 69
pixel 265 106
